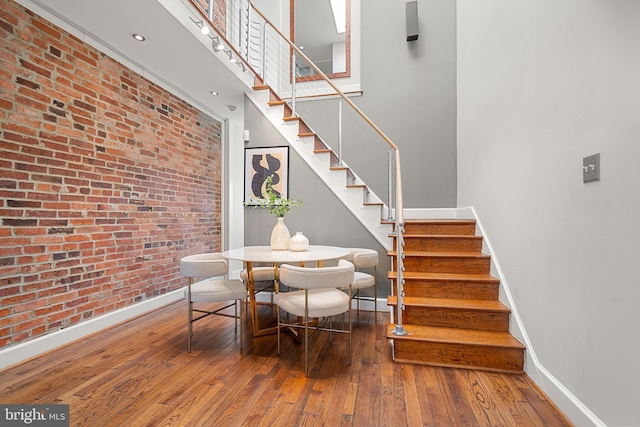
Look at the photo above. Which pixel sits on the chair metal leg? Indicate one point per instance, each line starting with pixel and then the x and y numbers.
pixel 331 329
pixel 278 317
pixel 375 294
pixel 242 310
pixel 189 315
pixel 350 326
pixel 306 345
pixel 306 332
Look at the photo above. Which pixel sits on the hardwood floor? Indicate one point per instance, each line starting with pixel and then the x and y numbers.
pixel 140 374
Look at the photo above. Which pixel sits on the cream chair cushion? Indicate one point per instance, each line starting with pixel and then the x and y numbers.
pixel 214 290
pixel 322 302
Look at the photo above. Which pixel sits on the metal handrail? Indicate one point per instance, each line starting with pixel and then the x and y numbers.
pixel 399 213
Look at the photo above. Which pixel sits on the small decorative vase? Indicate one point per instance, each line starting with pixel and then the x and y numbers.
pixel 280 236
pixel 299 242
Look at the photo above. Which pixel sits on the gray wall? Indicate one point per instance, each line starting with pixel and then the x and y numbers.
pixel 409 91
pixel 322 217
pixel 543 84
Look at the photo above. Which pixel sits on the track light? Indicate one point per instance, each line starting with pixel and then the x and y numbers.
pixel 204 28
pixel 230 54
pixel 216 43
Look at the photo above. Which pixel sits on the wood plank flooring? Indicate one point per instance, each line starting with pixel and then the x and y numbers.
pixel 140 374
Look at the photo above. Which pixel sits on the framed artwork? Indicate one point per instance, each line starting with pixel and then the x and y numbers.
pixel 259 164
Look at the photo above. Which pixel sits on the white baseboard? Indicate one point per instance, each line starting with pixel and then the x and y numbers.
pixel 568 403
pixel 23 351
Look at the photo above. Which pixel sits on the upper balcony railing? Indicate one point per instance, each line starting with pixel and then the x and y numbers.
pixel 250 40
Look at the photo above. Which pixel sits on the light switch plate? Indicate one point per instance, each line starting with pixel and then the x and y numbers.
pixel 591 168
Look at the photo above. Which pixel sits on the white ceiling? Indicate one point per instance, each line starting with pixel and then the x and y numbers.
pixel 175 54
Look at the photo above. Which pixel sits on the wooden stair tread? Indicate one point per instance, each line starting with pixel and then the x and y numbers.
pixel 445 276
pixel 304 134
pixel 457 336
pixel 442 254
pixel 439 221
pixel 452 313
pixel 466 304
pixel 438 236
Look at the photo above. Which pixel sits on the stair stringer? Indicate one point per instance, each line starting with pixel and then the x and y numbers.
pixel 352 198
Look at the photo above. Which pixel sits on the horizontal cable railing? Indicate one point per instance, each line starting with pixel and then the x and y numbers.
pixel 256 45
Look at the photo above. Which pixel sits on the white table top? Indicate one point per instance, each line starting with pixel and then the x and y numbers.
pixel 266 254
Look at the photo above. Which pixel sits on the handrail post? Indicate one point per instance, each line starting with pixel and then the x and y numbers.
pixel 210 11
pixel 246 40
pixel 239 28
pixel 340 162
pixel 390 189
pixel 264 52
pixel 399 329
pixel 293 84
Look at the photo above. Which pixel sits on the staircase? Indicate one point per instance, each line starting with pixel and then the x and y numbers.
pixel 451 309
pixel 363 203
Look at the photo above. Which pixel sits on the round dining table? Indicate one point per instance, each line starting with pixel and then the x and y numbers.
pixel 264 254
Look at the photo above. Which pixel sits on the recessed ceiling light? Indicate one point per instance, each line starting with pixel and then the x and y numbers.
pixel 138 37
pixel 214 93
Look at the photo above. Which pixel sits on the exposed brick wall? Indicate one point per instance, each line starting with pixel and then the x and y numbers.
pixel 107 180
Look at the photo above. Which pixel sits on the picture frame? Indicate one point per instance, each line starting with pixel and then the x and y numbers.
pixel 259 164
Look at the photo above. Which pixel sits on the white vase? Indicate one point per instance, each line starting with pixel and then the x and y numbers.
pixel 299 242
pixel 280 236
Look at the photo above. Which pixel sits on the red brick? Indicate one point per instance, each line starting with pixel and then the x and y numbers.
pixel 15 299
pixel 30 306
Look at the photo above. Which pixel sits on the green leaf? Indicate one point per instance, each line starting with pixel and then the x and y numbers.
pixel 278 206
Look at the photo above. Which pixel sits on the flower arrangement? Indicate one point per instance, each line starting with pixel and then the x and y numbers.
pixel 277 205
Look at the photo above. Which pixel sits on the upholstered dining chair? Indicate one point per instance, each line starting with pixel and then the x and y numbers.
pixel 363 258
pixel 263 275
pixel 316 298
pixel 209 270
